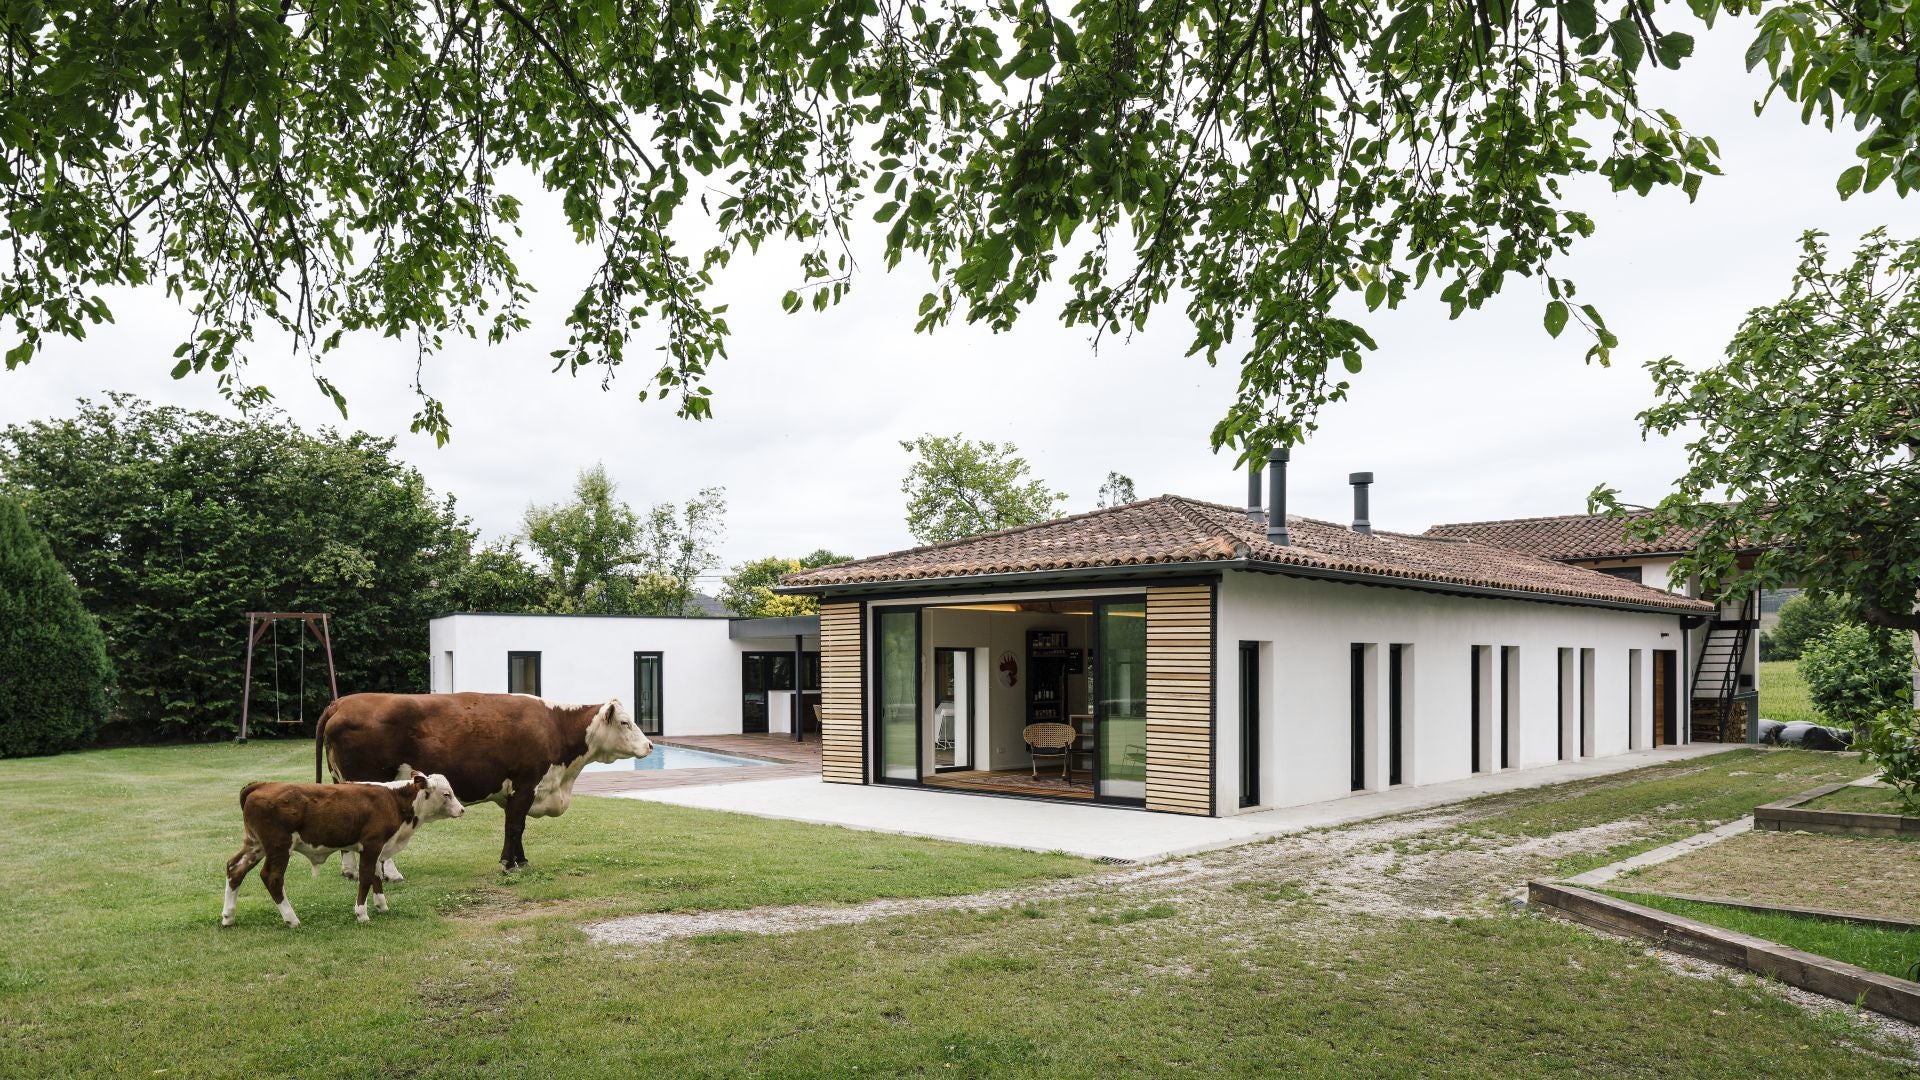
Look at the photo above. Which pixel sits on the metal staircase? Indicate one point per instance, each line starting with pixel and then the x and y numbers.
pixel 1716 678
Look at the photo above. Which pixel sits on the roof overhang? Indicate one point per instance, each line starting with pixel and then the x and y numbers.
pixel 1121 574
pixel 780 626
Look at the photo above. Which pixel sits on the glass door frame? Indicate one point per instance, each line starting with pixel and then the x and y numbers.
pixel 960 724
pixel 659 659
pixel 1096 655
pixel 876 720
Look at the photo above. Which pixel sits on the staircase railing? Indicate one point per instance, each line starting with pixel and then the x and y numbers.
pixel 1720 684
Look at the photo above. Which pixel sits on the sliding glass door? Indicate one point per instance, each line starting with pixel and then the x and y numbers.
pixel 898 696
pixel 1121 703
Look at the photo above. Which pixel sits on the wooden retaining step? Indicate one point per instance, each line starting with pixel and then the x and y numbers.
pixel 1897 998
pixel 1791 815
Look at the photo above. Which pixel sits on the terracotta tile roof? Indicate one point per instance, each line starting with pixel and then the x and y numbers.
pixel 1169 530
pixel 1572 536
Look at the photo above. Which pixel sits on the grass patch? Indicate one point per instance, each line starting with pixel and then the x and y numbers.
pixel 1134 915
pixel 1783 693
pixel 1872 876
pixel 1890 952
pixel 1862 800
pixel 114 964
pixel 1676 799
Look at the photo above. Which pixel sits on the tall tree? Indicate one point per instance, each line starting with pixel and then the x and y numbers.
pixel 677 545
pixel 54 674
pixel 957 487
pixel 586 546
pixel 1803 442
pixel 748 590
pixel 175 523
pixel 1116 490
pixel 319 169
pixel 600 557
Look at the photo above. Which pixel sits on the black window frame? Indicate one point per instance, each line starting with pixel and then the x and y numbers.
pixel 1396 742
pixel 516 654
pixel 659 692
pixel 1249 723
pixel 1357 735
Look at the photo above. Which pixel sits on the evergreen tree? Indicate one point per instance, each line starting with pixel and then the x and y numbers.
pixel 54 673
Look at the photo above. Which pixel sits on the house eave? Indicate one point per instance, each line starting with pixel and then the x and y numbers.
pixel 1121 574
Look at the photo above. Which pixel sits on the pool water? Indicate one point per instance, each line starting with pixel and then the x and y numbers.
pixel 675 757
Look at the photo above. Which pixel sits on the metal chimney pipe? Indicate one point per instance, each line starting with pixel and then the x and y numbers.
pixel 1277 498
pixel 1254 512
pixel 1360 480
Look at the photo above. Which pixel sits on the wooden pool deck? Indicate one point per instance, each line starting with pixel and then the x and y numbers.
pixel 789 758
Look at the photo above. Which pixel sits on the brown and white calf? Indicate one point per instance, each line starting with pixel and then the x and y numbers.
pixel 317 820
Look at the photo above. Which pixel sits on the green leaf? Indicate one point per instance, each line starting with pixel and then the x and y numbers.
pixel 1556 318
pixel 1850 181
pixel 1627 44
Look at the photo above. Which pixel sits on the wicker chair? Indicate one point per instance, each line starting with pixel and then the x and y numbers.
pixel 1051 740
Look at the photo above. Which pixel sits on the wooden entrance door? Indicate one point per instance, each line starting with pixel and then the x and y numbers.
pixel 1665 683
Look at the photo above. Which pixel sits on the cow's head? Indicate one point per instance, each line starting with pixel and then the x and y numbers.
pixel 613 735
pixel 433 798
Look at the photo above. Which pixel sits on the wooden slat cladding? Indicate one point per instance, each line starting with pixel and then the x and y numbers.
pixel 842 679
pixel 1180 699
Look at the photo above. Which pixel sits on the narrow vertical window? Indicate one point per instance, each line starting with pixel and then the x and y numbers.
pixel 648 691
pixel 1249 723
pixel 1565 699
pixel 1396 704
pixel 1587 747
pixel 1636 713
pixel 1480 678
pixel 1509 706
pixel 1357 660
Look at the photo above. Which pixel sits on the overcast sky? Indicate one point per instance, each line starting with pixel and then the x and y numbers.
pixel 1484 417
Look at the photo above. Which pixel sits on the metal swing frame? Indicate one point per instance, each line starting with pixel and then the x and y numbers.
pixel 258 625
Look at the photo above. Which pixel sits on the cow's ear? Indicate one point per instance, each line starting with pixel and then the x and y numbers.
pixel 419 780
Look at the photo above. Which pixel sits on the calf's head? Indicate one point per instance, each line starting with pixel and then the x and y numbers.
pixel 433 798
pixel 613 735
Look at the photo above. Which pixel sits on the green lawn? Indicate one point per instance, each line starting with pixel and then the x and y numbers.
pixel 1783 693
pixel 1890 952
pixel 115 965
pixel 1861 800
pixel 1677 800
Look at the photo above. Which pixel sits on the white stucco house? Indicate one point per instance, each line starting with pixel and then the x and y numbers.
pixel 1723 648
pixel 1195 658
pixel 701 675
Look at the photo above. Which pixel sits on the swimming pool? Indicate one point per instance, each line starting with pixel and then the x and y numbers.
pixel 676 757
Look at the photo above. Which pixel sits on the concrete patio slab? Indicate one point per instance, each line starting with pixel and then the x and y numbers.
pixel 1105 832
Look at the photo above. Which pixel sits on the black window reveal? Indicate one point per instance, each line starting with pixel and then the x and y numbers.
pixel 1396 656
pixel 1358 662
pixel 523 673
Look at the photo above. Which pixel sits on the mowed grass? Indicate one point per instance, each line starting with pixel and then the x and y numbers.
pixel 1783 693
pixel 115 965
pixel 1876 948
pixel 1862 800
pixel 1676 799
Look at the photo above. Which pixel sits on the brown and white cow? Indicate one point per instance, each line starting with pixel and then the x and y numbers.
pixel 518 751
pixel 317 820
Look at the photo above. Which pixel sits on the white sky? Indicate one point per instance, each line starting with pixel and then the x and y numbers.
pixel 1483 417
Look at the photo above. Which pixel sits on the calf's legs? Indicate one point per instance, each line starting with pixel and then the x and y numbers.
pixel 238 868
pixel 369 880
pixel 274 877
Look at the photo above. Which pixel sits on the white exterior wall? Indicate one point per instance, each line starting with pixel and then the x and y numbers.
pixel 586 658
pixel 1307 627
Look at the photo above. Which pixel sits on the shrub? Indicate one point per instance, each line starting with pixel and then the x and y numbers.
pixel 53 660
pixel 1854 672
pixel 1803 619
pixel 1890 744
